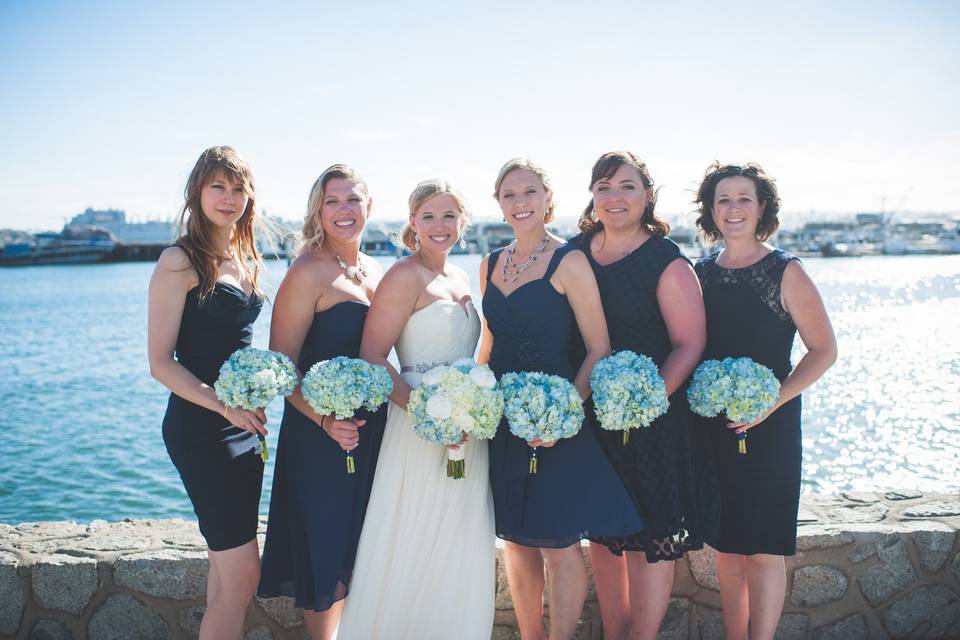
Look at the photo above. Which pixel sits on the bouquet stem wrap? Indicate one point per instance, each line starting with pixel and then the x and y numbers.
pixel 456 467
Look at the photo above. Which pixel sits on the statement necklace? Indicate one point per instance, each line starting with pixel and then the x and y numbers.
pixel 508 263
pixel 357 273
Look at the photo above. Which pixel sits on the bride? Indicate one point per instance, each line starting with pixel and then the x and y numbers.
pixel 425 564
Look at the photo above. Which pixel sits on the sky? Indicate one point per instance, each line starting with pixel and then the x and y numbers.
pixel 852 106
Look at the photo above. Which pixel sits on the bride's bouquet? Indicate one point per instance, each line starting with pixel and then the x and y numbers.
pixel 251 378
pixel 739 387
pixel 628 392
pixel 454 402
pixel 342 386
pixel 539 406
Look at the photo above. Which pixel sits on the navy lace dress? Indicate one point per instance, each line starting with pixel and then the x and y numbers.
pixel 760 491
pixel 575 492
pixel 219 464
pixel 316 507
pixel 668 466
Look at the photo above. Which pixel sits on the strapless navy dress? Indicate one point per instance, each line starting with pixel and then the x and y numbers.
pixel 219 464
pixel 759 491
pixel 575 492
pixel 316 507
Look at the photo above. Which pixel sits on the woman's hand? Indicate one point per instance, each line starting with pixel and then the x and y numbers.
pixel 541 443
pixel 345 433
pixel 741 427
pixel 251 421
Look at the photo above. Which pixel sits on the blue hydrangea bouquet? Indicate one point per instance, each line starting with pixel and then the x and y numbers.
pixel 455 401
pixel 539 406
pixel 342 386
pixel 250 378
pixel 628 392
pixel 742 389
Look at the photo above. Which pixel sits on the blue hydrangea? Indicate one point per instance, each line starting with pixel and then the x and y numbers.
pixel 541 406
pixel 251 378
pixel 341 386
pixel 628 392
pixel 740 388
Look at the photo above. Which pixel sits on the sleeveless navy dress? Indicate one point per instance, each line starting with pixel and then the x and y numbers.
pixel 316 507
pixel 575 492
pixel 759 491
pixel 219 464
pixel 668 467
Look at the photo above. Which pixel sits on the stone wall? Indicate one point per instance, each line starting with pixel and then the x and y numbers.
pixel 869 565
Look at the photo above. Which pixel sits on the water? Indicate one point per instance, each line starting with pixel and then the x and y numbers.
pixel 80 415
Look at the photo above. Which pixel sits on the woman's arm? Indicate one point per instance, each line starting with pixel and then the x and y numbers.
pixel 802 301
pixel 171 280
pixel 580 286
pixel 681 305
pixel 393 304
pixel 486 338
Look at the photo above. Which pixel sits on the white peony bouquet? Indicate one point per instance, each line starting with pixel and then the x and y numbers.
pixel 250 378
pixel 628 392
pixel 342 386
pixel 454 402
pixel 742 389
pixel 539 406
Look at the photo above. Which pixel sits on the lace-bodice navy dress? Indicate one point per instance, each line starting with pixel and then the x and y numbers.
pixel 316 507
pixel 759 491
pixel 576 492
pixel 219 464
pixel 668 467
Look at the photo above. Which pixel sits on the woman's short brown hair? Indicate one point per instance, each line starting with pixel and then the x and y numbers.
pixel 767 195
pixel 603 169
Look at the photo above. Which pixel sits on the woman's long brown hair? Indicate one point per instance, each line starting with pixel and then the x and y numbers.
pixel 197 232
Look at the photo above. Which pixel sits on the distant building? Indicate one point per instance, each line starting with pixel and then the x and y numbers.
pixel 115 221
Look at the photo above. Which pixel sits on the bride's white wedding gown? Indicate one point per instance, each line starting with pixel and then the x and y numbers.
pixel 425 564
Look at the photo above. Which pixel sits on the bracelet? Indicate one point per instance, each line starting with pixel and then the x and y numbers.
pixel 322 418
pixel 224 412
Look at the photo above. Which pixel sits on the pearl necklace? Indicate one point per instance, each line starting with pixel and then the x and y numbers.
pixel 518 269
pixel 357 273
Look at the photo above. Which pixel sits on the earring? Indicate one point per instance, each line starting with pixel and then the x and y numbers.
pixel 463 242
pixel 416 241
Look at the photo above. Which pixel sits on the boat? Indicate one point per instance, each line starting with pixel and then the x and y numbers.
pixel 75 244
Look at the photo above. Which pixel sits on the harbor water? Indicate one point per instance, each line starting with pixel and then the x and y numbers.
pixel 80 415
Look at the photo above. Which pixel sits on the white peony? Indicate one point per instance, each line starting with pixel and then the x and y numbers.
pixel 483 378
pixel 465 422
pixel 439 407
pixel 462 362
pixel 435 375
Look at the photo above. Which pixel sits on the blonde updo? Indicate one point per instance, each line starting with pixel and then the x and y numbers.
pixel 312 234
pixel 537 170
pixel 423 192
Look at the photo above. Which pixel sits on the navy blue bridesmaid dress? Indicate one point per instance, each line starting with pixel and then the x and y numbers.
pixel 219 464
pixel 575 492
pixel 316 507
pixel 759 491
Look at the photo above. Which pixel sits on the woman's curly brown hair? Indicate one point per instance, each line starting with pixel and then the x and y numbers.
pixel 767 196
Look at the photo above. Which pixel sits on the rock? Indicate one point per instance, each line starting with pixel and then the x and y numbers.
pixel 123 617
pixel 937 606
pixel 676 622
pixel 52 529
pixel 703 564
pixel 501 632
pixel 166 573
pixel 865 497
pixel 47 629
pixel 65 582
pixel 709 622
pixel 857 513
pixel 189 538
pixel 11 594
pixel 822 538
pixel 817 584
pixel 933 509
pixel 893 573
pixel 282 610
pixel 503 600
pixel 862 551
pixel 934 546
pixel 259 633
pixel 955 566
pixel 902 494
pixel 111 541
pixel 792 626
pixel 805 516
pixel 584 630
pixel 850 628
pixel 190 619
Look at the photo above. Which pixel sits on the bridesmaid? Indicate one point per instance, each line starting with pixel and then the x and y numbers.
pixel 203 300
pixel 652 303
pixel 536 293
pixel 757 298
pixel 316 507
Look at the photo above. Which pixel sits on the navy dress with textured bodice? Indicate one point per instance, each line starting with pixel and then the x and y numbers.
pixel 668 467
pixel 759 491
pixel 575 492
pixel 316 507
pixel 219 464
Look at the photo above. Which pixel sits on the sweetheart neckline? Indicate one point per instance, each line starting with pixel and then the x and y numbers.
pixel 463 307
